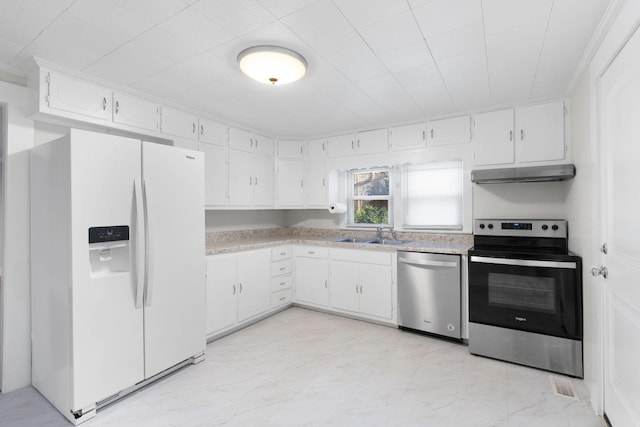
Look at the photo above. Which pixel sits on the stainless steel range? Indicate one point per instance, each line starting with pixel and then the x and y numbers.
pixel 525 295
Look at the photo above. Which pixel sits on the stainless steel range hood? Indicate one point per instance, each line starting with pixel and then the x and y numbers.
pixel 524 174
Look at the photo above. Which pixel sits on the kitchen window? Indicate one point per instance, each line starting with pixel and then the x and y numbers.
pixel 433 196
pixel 370 197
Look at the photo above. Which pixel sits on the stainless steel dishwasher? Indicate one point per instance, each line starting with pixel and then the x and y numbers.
pixel 429 293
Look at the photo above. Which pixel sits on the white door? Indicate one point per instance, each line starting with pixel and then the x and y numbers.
pixel 540 132
pixel 345 286
pixel 254 282
pixel 312 281
pixel 375 293
pixel 620 126
pixel 216 174
pixel 222 291
pixel 240 178
pixel 291 182
pixel 263 181
pixel 493 138
pixel 76 96
pixel 173 180
pixel 107 341
pixel 315 183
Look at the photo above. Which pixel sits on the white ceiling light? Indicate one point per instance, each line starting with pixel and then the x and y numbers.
pixel 272 64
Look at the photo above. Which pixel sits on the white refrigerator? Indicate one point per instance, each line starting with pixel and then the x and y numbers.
pixel 118 267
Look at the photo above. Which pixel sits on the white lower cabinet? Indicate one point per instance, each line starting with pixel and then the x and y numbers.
pixel 312 276
pixel 238 288
pixel 361 282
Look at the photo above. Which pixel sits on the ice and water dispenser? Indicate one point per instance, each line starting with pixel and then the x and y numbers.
pixel 109 250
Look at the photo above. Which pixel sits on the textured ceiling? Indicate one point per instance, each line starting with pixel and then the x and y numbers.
pixel 371 62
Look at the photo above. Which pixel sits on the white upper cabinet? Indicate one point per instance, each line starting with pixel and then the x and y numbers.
pixel 216 174
pixel 372 142
pixel 534 134
pixel 291 182
pixel 315 183
pixel 493 138
pixel 264 181
pixel 137 112
pixel 246 141
pixel 71 95
pixel 456 130
pixel 342 145
pixel 317 147
pixel 540 132
pixel 178 123
pixel 407 137
pixel 290 149
pixel 212 132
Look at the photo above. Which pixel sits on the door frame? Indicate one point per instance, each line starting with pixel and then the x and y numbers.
pixel 3 161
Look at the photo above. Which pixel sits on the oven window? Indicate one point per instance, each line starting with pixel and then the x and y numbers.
pixel 516 291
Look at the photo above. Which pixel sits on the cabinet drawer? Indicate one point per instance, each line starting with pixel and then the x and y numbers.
pixel 312 252
pixel 360 255
pixel 282 297
pixel 281 252
pixel 279 268
pixel 280 283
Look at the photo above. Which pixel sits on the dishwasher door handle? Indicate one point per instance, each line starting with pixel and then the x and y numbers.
pixel 428 263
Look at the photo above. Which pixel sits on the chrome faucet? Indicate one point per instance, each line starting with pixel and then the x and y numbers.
pixel 379 232
pixel 391 230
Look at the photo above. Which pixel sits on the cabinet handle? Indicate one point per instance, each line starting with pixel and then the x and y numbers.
pixel 201 130
pixel 117 107
pixel 234 289
pixel 323 184
pixel 251 142
pixel 283 253
pixel 356 289
pixel 323 147
pixel 510 135
pixel 352 145
pixel 283 283
pixel 255 180
pixel 358 143
pixel 240 288
pixel 521 134
pixel 283 268
pixel 104 103
pixel 424 135
pixel 360 289
pixel 301 152
pixel 325 284
pixel 250 180
pixel 301 183
pixel 256 143
pixel 193 130
pixel 431 133
pixel 282 298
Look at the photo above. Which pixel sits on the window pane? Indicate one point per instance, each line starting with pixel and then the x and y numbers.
pixel 434 195
pixel 371 183
pixel 371 212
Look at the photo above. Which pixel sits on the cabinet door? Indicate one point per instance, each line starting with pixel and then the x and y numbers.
pixel 315 183
pixel 407 137
pixel 79 97
pixel 345 286
pixel 373 141
pixel 240 178
pixel 375 296
pixel 136 112
pixel 178 123
pixel 263 181
pixel 216 174
pixel 212 132
pixel 263 145
pixel 254 282
pixel 540 132
pixel 222 290
pixel 311 282
pixel 317 147
pixel 240 139
pixel 340 146
pixel 291 182
pixel 290 149
pixel 456 130
pixel 493 138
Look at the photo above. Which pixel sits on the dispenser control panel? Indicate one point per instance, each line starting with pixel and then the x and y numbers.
pixel 108 234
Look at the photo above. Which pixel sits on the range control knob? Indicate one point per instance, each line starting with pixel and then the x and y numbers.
pixel 482 226
pixel 545 227
pixel 490 226
pixel 554 227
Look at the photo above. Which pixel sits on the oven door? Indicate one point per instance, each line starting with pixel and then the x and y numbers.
pixel 531 295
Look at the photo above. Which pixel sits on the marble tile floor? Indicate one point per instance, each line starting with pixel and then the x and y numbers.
pixel 305 368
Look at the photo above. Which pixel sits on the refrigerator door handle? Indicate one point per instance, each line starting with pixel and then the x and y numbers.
pixel 149 265
pixel 140 248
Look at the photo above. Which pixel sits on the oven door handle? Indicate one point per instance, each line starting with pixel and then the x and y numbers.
pixel 524 262
pixel 428 263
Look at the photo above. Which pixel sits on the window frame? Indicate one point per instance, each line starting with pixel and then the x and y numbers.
pixel 351 197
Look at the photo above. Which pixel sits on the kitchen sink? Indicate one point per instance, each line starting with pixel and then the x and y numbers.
pixel 356 240
pixel 388 242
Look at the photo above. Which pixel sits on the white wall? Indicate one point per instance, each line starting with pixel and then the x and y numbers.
pixel 16 348
pixel 530 200
pixel 223 220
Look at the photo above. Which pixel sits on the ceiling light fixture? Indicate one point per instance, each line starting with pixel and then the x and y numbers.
pixel 272 64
